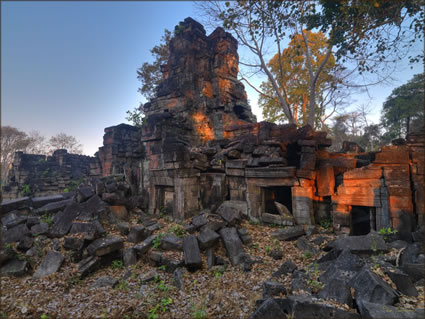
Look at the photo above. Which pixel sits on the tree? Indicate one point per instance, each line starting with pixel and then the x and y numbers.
pixel 63 141
pixel 403 110
pixel 255 23
pixel 150 73
pixel 12 140
pixel 292 67
pixel 135 117
pixel 370 32
pixel 37 144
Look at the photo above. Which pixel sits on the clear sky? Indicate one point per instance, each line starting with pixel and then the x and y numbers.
pixel 71 66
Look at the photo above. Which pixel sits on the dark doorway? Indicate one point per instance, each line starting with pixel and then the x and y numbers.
pixel 280 194
pixel 165 199
pixel 362 220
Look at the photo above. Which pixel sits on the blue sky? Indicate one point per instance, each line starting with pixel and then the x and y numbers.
pixel 71 66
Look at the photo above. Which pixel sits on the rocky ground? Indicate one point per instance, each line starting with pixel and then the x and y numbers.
pixel 212 266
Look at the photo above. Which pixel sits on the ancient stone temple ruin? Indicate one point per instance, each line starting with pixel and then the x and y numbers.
pixel 201 146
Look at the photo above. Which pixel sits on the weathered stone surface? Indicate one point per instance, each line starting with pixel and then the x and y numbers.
pixel 13 218
pixel 105 281
pixel 415 271
pixel 103 246
pixel 272 288
pixel 299 281
pixel 15 204
pixel 50 264
pixel 88 265
pixel 402 281
pixel 88 229
pixel 305 246
pixel 123 228
pixel 6 254
pixel 171 242
pixel 411 253
pixel 370 288
pixel 149 276
pixel 38 202
pixel 287 267
pixel 15 268
pixel 73 243
pixel 63 220
pixel 15 233
pixel 337 290
pixel 359 244
pixel 277 219
pixel 129 256
pixel 192 254
pixel 144 246
pixel 137 234
pixel 269 309
pixel 232 243
pixel 33 220
pixel 229 214
pixel 199 221
pixel 370 310
pixel 93 208
pixel 53 208
pixel 178 278
pixel 244 236
pixel 288 233
pixel 207 238
pixel 84 193
pixel 25 243
pixel 119 211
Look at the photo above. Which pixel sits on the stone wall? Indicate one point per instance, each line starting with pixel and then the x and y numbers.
pixel 40 175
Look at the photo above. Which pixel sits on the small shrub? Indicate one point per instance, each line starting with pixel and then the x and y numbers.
pixel 177 230
pixel 307 254
pixel 326 223
pixel 117 264
pixel 47 218
pixel 26 190
pixel 199 312
pixel 268 249
pixel 123 285
pixel 156 243
pixel 44 316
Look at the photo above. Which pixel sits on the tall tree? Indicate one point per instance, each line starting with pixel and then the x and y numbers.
pixel 63 141
pixel 371 32
pixel 291 71
pixel 150 73
pixel 260 24
pixel 403 110
pixel 12 140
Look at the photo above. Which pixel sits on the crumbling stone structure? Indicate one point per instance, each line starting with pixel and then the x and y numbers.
pixel 201 147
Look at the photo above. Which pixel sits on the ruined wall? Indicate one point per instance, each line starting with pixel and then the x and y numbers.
pixel 41 175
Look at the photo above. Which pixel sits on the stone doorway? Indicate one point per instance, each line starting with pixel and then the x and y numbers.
pixel 165 200
pixel 280 194
pixel 363 220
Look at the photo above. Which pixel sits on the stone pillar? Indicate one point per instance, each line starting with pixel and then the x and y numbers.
pixel 302 205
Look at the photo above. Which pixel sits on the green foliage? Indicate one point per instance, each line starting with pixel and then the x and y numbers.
pixel 156 243
pixel 47 218
pixel 199 312
pixel 178 29
pixel 403 110
pixel 26 190
pixel 161 306
pixel 219 272
pixel 117 264
pixel 123 285
pixel 307 254
pixel 44 316
pixel 387 231
pixel 177 230
pixel 268 249
pixel 326 223
pixel 162 267
pixel 74 184
pixel 136 117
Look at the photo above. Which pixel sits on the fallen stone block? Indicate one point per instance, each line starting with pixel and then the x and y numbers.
pixel 88 265
pixel 15 204
pixel 73 243
pixel 15 233
pixel 370 288
pixel 199 221
pixel 305 246
pixel 25 243
pixel 337 290
pixel 105 281
pixel 207 238
pixel 232 244
pixel 13 218
pixel 137 234
pixel 129 256
pixel 38 202
pixel 269 309
pixel 103 246
pixel 192 254
pixel 415 271
pixel 144 246
pixel 288 233
pixel 287 267
pixel 63 220
pixel 272 288
pixel 15 268
pixel 229 214
pixel 367 244
pixel 84 193
pixel 171 242
pixel 50 264
pixel 40 229
pixel 244 236
pixel 53 208
pixel 370 310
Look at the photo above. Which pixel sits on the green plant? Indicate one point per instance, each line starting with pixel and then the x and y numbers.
pixel 163 287
pixel 8 246
pixel 162 267
pixel 47 218
pixel 178 29
pixel 117 264
pixel 268 249
pixel 45 172
pixel 44 316
pixel 255 245
pixel 156 243
pixel 307 254
pixel 326 223
pixel 177 230
pixel 199 312
pixel 387 231
pixel 66 190
pixel 219 272
pixel 26 190
pixel 123 285
pixel 315 285
pixel 162 306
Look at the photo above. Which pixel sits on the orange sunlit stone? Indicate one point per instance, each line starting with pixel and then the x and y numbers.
pixel 202 127
pixel 207 90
